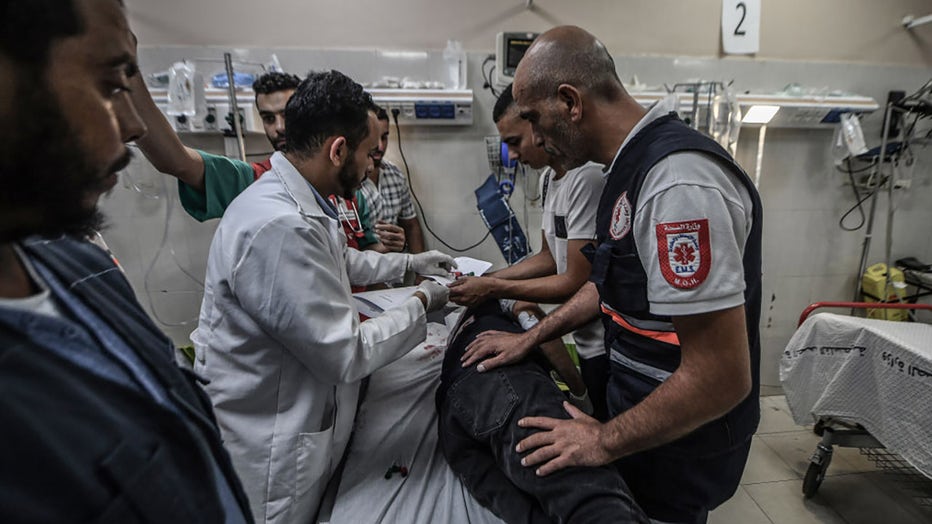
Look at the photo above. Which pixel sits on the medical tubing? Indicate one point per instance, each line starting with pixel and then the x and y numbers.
pixel 129 179
pixel 885 137
pixel 487 78
pixel 168 210
pixel 528 185
pixel 858 202
pixel 418 201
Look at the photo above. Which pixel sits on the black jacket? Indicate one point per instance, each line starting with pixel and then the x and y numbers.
pixel 76 447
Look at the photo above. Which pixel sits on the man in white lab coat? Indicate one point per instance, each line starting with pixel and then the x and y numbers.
pixel 279 338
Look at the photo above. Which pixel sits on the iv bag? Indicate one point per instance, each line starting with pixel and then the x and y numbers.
pixel 181 89
pixel 275 66
pixel 725 120
pixel 839 148
pixel 455 59
pixel 852 133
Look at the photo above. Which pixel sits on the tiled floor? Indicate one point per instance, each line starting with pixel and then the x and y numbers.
pixel 853 492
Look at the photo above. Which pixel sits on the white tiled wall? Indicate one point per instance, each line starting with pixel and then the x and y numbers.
pixel 807 257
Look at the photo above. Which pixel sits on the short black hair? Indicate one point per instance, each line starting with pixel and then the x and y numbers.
pixel 29 27
pixel 326 104
pixel 380 112
pixel 505 101
pixel 275 81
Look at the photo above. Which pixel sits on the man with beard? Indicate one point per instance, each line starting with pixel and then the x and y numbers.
pixel 675 276
pixel 207 183
pixel 389 197
pixel 98 423
pixel 279 336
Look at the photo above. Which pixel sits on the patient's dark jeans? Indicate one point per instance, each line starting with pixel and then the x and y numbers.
pixel 478 427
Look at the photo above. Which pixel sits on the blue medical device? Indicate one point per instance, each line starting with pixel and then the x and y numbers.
pixel 497 152
pixel 498 216
pixel 222 81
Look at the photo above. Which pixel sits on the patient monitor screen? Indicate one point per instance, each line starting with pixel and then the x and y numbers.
pixel 510 49
pixel 516 49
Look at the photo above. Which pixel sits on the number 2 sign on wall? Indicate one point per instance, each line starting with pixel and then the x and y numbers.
pixel 741 26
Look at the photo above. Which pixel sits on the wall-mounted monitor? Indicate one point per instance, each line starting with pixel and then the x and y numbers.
pixel 509 49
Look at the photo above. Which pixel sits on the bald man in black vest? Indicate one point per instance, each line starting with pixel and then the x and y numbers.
pixel 675 279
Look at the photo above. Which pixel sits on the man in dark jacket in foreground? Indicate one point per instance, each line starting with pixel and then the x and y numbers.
pixel 98 422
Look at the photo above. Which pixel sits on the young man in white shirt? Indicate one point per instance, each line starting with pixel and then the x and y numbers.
pixel 559 269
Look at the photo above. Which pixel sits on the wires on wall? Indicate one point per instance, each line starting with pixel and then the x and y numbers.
pixel 858 206
pixel 488 76
pixel 417 201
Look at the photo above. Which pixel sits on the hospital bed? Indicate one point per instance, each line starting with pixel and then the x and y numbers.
pixel 394 470
pixel 864 383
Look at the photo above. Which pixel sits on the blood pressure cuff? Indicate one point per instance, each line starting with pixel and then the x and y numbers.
pixel 501 221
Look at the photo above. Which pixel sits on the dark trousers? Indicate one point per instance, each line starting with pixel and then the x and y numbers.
pixel 594 373
pixel 478 426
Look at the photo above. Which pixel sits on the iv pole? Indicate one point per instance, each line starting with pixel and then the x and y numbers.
pixel 891 184
pixel 234 106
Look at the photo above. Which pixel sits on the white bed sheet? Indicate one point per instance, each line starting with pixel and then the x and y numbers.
pixel 877 373
pixel 397 425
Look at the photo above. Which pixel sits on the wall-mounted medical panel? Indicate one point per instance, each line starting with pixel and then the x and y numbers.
pixel 806 111
pixel 427 107
pixel 419 107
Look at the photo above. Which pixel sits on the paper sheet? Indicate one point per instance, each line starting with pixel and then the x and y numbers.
pixel 466 266
pixel 374 303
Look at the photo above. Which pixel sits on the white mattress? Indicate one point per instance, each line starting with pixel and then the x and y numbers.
pixel 397 425
pixel 874 372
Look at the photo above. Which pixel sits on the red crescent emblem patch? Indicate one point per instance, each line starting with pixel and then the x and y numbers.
pixel 684 252
pixel 621 218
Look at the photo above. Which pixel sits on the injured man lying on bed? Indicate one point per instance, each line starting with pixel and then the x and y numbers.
pixel 435 442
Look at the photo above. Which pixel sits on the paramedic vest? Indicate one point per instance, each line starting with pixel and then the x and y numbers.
pixel 644 347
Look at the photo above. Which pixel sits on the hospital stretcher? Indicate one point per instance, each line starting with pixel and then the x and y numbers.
pixel 395 471
pixel 864 383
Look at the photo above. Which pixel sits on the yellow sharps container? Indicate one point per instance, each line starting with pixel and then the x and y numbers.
pixel 875 289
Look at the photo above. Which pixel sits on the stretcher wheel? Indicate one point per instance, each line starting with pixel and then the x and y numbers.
pixel 815 474
pixel 819 427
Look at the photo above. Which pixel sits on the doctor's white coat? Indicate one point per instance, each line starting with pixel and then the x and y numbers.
pixel 281 342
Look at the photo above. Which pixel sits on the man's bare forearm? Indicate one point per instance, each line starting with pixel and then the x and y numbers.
pixel 551 289
pixel 537 265
pixel 413 234
pixel 161 145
